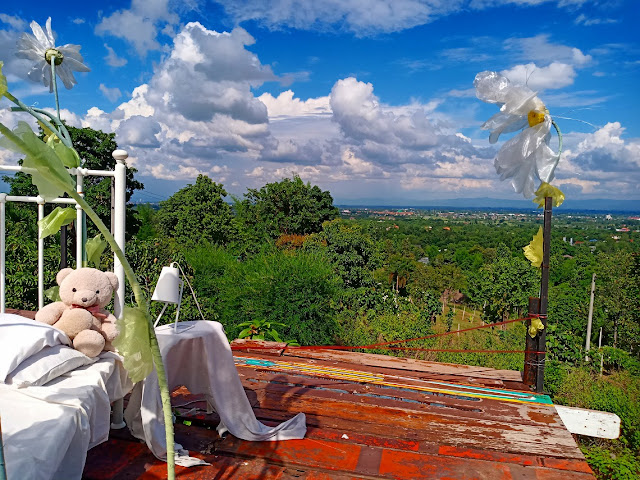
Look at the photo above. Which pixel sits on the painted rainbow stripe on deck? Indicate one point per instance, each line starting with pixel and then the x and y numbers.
pixel 429 386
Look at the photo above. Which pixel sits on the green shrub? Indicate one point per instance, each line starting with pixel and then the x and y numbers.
pixel 294 289
pixel 610 465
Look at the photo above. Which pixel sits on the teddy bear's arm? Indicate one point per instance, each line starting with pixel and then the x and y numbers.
pixel 109 328
pixel 51 313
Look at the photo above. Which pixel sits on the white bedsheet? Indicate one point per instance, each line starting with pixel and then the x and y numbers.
pixel 47 430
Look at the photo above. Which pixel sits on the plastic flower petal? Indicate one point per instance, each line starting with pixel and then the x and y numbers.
pixel 40 47
pixel 533 251
pixel 547 190
pixel 526 156
pixel 536 326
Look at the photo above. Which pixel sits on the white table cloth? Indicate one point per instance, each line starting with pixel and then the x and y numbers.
pixel 197 355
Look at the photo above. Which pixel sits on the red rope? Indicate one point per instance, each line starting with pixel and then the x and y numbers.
pixel 384 344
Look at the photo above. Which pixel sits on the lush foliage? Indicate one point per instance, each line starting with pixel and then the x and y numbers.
pixel 286 207
pixel 198 213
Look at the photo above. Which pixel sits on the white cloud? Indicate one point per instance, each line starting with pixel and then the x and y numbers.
pixel 112 94
pixel 582 19
pixel 361 117
pixel 78 21
pixel 15 23
pixel 112 59
pixel 539 50
pixel 553 76
pixel 363 17
pixel 284 105
pixel 139 25
pixel 602 162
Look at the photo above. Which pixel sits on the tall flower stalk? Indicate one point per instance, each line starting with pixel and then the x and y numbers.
pixel 46 162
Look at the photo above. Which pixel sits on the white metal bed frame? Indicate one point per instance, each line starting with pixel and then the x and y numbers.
pixel 119 174
pixel 118 225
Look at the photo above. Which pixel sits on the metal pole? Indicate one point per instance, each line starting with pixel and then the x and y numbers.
pixel 587 344
pixel 40 255
pixel 79 222
pixel 119 215
pixel 531 345
pixel 544 293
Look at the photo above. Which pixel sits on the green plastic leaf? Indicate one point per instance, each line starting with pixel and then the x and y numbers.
pixel 69 156
pixel 95 247
pixel 55 220
pixel 133 343
pixel 3 82
pixel 41 162
pixel 53 293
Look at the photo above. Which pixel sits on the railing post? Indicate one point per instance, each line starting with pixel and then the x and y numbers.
pixel 80 236
pixel 119 223
pixel 531 345
pixel 40 255
pixel 544 293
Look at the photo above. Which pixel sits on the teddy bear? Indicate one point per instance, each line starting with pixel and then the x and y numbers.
pixel 80 314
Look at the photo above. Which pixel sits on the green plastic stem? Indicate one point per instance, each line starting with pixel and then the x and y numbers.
pixel 155 348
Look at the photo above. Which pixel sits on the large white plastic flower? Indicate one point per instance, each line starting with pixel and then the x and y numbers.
pixel 40 48
pixel 527 155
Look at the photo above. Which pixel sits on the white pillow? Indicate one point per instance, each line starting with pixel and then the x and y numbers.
pixel 21 337
pixel 47 364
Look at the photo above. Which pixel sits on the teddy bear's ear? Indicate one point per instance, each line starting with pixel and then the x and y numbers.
pixel 62 274
pixel 113 280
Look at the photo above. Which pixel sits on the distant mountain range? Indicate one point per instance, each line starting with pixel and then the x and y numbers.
pixel 604 205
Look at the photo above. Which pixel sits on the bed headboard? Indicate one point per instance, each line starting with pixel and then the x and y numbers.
pixel 118 203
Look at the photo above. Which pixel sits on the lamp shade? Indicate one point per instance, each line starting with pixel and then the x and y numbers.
pixel 168 286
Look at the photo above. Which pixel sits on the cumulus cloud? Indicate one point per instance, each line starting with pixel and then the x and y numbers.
pixel 140 24
pixel 139 131
pixel 361 117
pixel 597 161
pixel 285 105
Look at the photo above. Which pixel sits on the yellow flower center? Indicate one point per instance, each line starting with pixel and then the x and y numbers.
pixel 57 56
pixel 535 117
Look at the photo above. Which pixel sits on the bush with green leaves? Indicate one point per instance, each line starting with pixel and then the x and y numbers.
pixel 295 289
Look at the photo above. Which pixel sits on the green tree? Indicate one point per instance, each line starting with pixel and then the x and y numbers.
pixel 351 251
pixel 286 207
pixel 506 284
pixel 198 213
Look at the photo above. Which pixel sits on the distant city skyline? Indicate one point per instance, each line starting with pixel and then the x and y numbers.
pixel 370 99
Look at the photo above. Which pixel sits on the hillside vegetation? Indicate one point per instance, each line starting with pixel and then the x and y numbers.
pixel 280 264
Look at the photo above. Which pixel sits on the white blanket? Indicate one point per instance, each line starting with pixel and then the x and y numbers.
pixel 47 430
pixel 199 357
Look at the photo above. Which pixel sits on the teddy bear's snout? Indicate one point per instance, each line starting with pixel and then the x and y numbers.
pixel 84 298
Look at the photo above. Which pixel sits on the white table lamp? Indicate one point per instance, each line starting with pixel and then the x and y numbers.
pixel 169 290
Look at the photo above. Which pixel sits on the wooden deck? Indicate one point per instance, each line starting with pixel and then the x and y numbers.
pixel 368 417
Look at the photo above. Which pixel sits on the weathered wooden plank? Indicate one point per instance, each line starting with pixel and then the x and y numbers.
pixel 444 404
pixel 478 433
pixel 259 347
pixel 404 364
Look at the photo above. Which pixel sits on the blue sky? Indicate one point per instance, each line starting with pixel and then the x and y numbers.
pixel 370 99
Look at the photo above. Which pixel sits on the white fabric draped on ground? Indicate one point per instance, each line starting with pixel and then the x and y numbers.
pixel 197 355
